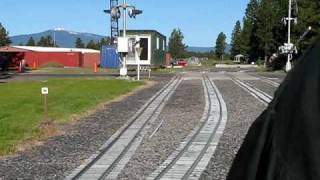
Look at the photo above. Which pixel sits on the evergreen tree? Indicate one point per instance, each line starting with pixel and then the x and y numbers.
pixel 91 45
pixel 248 39
pixel 220 45
pixel 4 36
pixel 42 42
pixel 103 42
pixel 177 48
pixel 266 20
pixel 236 40
pixel 31 42
pixel 79 43
pixel 309 15
pixel 49 41
pixel 46 42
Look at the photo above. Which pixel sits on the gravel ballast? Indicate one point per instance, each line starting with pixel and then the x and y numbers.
pixel 181 114
pixel 263 86
pixel 243 109
pixel 59 156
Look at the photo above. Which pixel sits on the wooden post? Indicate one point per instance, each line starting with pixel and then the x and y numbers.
pixel 45 92
pixel 46 107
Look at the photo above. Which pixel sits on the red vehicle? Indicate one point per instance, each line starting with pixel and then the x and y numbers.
pixel 182 63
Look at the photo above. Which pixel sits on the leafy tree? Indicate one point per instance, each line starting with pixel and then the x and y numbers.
pixel 177 48
pixel 4 36
pixel 91 45
pixel 31 42
pixel 236 39
pixel 220 45
pixel 79 43
pixel 248 39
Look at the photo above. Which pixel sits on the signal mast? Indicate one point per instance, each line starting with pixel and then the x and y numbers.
pixel 289 48
pixel 121 42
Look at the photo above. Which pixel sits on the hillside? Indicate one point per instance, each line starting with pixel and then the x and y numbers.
pixel 63 38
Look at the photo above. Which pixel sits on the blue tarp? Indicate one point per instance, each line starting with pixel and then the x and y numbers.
pixel 109 57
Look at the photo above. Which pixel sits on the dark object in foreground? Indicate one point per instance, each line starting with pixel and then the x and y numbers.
pixel 284 142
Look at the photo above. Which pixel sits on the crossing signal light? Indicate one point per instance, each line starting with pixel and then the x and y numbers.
pixel 134 12
pixel 114 13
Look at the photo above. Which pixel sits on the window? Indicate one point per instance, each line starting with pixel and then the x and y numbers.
pixel 158 43
pixel 164 45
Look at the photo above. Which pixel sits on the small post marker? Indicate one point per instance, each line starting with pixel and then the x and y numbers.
pixel 45 92
pixel 95 68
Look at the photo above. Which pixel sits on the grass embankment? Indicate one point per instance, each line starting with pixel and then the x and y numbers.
pixel 21 108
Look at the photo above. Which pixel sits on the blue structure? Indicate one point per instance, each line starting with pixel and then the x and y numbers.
pixel 109 58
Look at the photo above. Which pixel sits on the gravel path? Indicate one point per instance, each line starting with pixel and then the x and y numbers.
pixel 181 114
pixel 243 109
pixel 58 156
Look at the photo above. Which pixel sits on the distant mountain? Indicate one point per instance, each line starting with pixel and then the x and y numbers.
pixel 63 37
pixel 199 49
pixel 205 49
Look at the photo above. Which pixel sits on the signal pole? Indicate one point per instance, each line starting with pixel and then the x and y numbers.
pixel 289 55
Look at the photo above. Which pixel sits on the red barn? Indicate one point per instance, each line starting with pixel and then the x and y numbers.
pixel 68 57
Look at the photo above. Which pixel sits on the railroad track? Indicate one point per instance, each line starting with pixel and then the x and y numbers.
pixel 108 162
pixel 193 155
pixel 272 83
pixel 255 92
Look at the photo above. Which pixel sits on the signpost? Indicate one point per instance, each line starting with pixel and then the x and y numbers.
pixel 45 92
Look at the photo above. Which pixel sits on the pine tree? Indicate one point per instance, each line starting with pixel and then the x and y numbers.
pixel 236 39
pixel 248 39
pixel 4 36
pixel 31 42
pixel 309 15
pixel 49 41
pixel 79 43
pixel 91 45
pixel 220 46
pixel 266 20
pixel 177 48
pixel 42 42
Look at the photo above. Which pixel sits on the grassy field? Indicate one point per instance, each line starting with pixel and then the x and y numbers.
pixel 21 108
pixel 57 70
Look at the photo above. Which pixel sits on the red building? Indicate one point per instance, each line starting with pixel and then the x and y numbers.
pixel 67 57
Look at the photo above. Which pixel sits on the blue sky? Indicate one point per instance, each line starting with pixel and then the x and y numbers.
pixel 200 21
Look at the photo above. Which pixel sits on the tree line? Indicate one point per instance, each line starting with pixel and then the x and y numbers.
pixel 263 29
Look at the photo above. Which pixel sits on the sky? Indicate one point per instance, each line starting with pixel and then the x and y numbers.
pixel 199 21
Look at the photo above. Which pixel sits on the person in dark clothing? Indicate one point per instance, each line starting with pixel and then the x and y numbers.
pixel 284 142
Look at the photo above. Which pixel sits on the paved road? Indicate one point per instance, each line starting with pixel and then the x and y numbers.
pixel 195 133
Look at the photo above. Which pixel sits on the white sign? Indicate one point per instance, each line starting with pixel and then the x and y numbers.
pixel 45 91
pixel 123 45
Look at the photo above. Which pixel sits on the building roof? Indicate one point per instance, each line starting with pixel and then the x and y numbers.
pixel 9 49
pixel 144 31
pixel 53 49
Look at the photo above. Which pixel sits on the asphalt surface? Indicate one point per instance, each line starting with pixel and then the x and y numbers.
pixel 58 156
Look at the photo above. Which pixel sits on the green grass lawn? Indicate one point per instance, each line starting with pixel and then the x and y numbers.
pixel 21 108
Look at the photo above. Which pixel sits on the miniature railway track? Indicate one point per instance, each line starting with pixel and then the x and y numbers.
pixel 255 92
pixel 193 155
pixel 120 146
